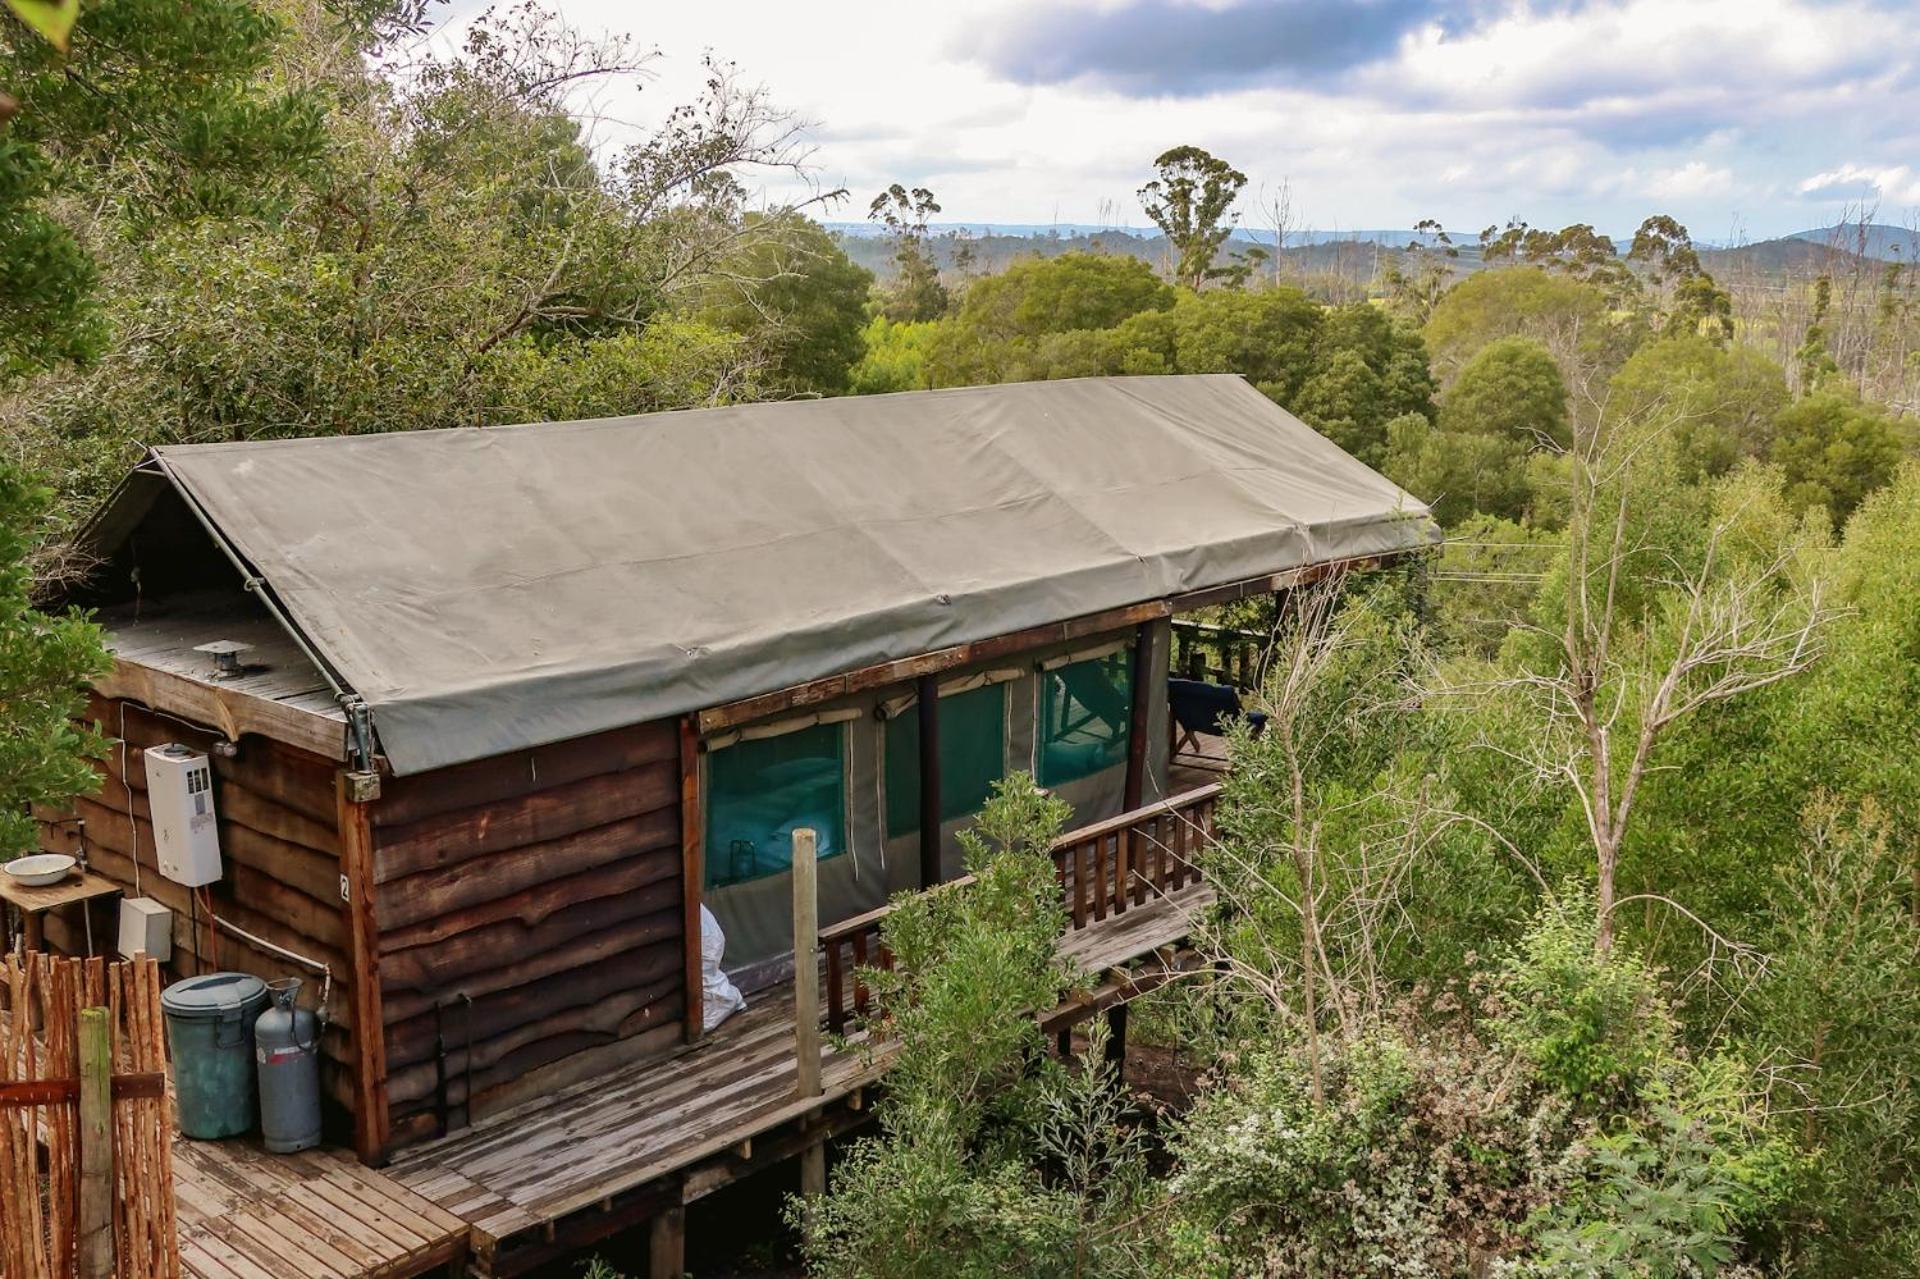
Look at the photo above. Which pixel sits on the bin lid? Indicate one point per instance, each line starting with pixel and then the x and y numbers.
pixel 213 995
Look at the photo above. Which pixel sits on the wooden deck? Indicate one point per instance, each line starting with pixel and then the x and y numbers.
pixel 247 1214
pixel 243 1212
pixel 682 1125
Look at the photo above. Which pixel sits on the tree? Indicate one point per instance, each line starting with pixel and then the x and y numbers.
pixel 996 335
pixel 1571 319
pixel 1511 388
pixel 893 357
pixel 1835 451
pixel 990 1158
pixel 915 293
pixel 1665 605
pixel 1458 473
pixel 154 110
pixel 1577 251
pixel 1723 399
pixel 1268 337
pixel 1191 200
pixel 1696 305
pixel 1430 258
pixel 802 303
pixel 1343 400
pixel 45 663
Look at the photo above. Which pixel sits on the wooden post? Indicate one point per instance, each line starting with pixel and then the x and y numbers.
pixel 1127 851
pixel 928 711
pixel 354 816
pixel 813 1170
pixel 95 1253
pixel 1117 1042
pixel 693 876
pixel 1142 707
pixel 806 972
pixel 806 997
pixel 667 1244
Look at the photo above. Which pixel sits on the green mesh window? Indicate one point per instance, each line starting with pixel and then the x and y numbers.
pixel 760 791
pixel 973 732
pixel 1085 712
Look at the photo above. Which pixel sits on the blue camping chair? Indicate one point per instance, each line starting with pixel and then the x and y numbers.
pixel 1199 707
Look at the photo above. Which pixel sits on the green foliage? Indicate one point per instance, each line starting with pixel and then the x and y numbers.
pixel 999 333
pixel 1564 1133
pixel 893 357
pixel 1835 451
pixel 45 663
pixel 1511 388
pixel 1458 474
pixel 1506 412
pixel 1190 199
pixel 151 110
pixel 1424 1159
pixel 800 303
pixel 1721 401
pixel 991 1158
pixel 47 314
pixel 1594 1026
pixel 1565 315
pixel 454 257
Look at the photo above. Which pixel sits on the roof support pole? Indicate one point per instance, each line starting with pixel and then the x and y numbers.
pixel 354 821
pixel 693 880
pixel 928 711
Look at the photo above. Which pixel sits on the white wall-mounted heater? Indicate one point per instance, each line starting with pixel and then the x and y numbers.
pixel 186 836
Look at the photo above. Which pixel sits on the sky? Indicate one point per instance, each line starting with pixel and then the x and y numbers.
pixel 1743 118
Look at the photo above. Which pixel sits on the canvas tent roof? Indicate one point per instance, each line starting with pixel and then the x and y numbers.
pixel 489 589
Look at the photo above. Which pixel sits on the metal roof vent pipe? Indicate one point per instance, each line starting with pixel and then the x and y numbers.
pixel 227 661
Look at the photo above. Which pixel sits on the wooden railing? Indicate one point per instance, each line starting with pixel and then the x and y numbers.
pixel 1103 869
pixel 1219 654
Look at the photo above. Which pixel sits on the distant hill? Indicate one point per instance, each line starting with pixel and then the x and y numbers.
pixel 1348 257
pixel 1870 239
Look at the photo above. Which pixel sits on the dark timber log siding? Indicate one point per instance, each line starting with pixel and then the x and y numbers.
pixel 279 845
pixel 531 906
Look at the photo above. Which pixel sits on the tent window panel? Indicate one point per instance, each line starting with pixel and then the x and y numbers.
pixel 973 733
pixel 1086 716
pixel 760 791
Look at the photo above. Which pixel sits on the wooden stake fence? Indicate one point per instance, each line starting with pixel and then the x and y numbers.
pixel 86 1140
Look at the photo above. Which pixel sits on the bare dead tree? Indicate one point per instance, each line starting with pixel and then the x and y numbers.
pixel 1723 624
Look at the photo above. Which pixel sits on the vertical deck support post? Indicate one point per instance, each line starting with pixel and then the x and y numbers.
pixel 1117 1042
pixel 354 793
pixel 693 872
pixel 667 1244
pixel 806 997
pixel 96 1145
pixel 927 709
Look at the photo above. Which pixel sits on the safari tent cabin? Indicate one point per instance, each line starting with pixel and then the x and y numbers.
pixel 514 702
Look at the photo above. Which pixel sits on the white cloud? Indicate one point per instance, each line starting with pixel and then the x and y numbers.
pixel 1892 184
pixel 1690 181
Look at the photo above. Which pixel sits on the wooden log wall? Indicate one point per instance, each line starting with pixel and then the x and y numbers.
pixel 529 906
pixel 279 844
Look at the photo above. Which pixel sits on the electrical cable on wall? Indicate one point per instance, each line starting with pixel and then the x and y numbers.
pixel 126 782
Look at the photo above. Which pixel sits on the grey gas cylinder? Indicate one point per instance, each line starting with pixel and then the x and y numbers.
pixel 286 1051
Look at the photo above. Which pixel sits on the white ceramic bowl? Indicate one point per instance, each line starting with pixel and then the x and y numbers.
pixel 42 869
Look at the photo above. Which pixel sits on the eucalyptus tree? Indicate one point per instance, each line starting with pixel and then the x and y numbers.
pixel 1191 200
